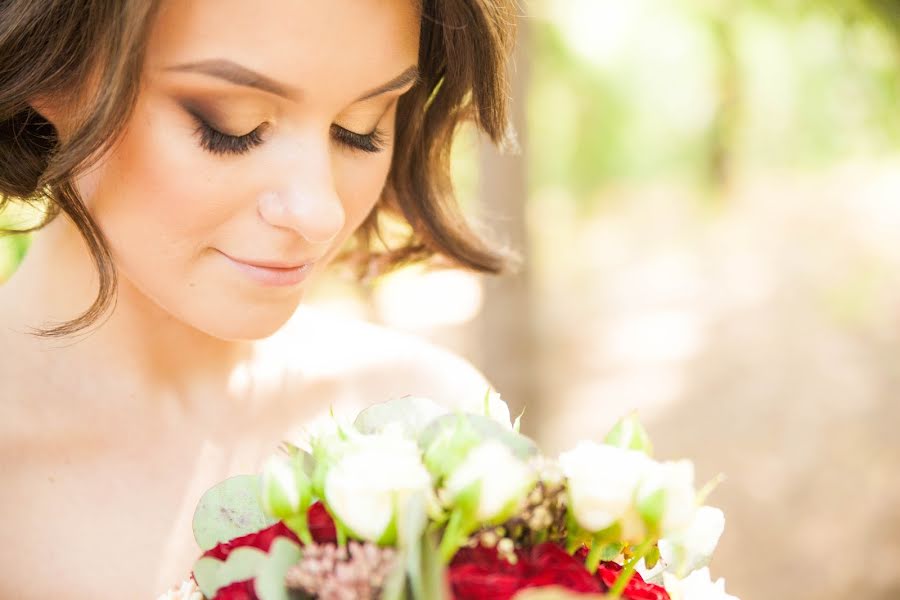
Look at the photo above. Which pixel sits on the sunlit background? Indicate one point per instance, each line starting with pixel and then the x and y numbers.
pixel 708 202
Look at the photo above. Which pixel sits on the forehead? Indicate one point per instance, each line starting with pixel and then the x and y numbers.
pixel 309 44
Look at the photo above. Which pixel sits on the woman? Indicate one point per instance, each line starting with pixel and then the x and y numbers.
pixel 207 159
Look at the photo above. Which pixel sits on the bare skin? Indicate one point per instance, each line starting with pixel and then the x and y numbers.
pixel 108 440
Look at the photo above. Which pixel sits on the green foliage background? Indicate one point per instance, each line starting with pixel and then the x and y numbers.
pixel 696 92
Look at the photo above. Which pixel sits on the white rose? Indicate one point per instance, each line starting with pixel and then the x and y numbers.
pixel 672 483
pixel 690 549
pixel 602 483
pixel 372 480
pixel 504 479
pixel 696 586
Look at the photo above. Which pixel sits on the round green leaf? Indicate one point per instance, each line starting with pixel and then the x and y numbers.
pixel 228 510
pixel 411 413
pixel 485 428
pixel 269 584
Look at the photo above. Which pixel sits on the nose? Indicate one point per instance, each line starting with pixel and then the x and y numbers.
pixel 309 205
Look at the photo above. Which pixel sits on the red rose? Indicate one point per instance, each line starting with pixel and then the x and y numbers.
pixel 480 574
pixel 321 526
pixel 241 590
pixel 637 588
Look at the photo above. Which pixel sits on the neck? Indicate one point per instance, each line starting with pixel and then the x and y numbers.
pixel 136 350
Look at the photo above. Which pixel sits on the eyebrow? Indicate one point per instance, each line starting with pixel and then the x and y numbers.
pixel 240 75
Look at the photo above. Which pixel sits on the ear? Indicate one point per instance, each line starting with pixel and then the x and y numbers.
pixel 51 111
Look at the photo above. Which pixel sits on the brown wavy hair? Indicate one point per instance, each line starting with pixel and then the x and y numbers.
pixel 93 52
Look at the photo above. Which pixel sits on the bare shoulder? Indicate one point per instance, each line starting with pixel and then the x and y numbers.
pixel 379 363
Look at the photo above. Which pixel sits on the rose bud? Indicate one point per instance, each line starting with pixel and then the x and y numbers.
pixel 691 549
pixel 503 480
pixel 666 498
pixel 285 488
pixel 370 481
pixel 602 481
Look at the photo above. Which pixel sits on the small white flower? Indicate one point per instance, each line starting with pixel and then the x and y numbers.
pixel 673 482
pixel 371 480
pixel 696 586
pixel 602 483
pixel 504 479
pixel 691 549
pixel 187 591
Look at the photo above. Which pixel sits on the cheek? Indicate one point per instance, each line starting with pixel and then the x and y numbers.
pixel 154 196
pixel 360 181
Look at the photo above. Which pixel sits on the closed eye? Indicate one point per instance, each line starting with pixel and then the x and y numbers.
pixel 216 142
pixel 367 142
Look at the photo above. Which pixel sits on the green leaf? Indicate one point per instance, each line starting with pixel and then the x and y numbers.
pixel 481 428
pixel 228 510
pixel 708 488
pixel 434 572
pixel 269 584
pixel 517 424
pixel 412 530
pixel 651 508
pixel 449 447
pixel 206 573
pixel 389 535
pixel 285 487
pixel 629 434
pixel 394 587
pixel 420 573
pixel 411 413
pixel 213 574
pixel 463 521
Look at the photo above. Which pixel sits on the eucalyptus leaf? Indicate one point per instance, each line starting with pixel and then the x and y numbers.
pixel 269 584
pixel 485 428
pixel 206 573
pixel 229 510
pixel 411 414
pixel 213 574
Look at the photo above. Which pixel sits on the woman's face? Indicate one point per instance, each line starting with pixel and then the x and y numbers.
pixel 220 165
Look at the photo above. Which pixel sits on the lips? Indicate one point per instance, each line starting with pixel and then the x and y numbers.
pixel 271 273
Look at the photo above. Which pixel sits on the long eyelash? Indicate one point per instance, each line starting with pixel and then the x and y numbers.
pixel 216 142
pixel 370 142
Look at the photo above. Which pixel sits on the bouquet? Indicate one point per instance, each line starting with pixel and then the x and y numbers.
pixel 413 501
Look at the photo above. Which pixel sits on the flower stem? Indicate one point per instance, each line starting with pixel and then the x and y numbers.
pixel 593 557
pixel 299 525
pixel 453 536
pixel 625 576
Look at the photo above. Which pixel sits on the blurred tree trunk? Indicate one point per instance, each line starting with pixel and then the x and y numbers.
pixel 506 349
pixel 724 126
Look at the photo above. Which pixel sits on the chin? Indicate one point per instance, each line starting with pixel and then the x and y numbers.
pixel 247 324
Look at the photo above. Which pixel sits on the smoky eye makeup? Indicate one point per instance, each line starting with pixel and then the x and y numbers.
pixel 214 140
